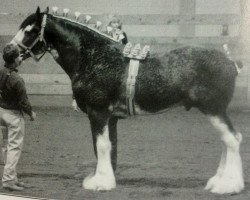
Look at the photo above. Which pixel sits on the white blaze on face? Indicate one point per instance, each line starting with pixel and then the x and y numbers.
pixel 20 34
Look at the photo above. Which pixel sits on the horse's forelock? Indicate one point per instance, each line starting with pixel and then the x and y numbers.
pixel 32 19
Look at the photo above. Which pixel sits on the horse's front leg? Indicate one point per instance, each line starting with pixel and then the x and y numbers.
pixel 113 137
pixel 103 178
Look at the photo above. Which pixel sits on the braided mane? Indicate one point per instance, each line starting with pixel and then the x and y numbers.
pixel 87 27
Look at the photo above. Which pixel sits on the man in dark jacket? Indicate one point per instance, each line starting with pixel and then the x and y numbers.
pixel 13 104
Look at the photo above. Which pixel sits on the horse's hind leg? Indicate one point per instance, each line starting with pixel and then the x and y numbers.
pixel 103 178
pixel 229 176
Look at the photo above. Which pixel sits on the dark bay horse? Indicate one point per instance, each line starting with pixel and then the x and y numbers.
pixel 190 76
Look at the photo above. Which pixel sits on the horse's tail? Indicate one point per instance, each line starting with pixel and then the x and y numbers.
pixel 237 63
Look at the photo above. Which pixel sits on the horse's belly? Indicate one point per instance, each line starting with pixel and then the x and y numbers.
pixel 158 101
pixel 144 107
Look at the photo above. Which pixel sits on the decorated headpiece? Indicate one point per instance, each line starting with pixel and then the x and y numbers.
pixel 65 12
pixel 77 15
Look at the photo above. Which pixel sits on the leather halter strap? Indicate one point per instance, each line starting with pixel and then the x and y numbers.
pixel 40 38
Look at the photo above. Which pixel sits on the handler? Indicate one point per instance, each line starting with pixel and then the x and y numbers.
pixel 13 104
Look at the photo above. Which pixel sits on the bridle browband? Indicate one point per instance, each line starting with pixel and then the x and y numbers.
pixel 40 38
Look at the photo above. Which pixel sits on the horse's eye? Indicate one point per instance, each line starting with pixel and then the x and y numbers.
pixel 36 29
pixel 27 32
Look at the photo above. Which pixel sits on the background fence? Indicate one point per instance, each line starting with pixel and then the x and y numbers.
pixel 163 24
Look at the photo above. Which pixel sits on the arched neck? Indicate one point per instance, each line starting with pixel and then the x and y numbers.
pixel 73 45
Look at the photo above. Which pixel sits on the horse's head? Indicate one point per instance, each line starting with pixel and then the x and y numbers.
pixel 30 37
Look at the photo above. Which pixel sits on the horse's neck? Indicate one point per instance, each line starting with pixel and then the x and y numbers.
pixel 68 61
pixel 65 47
pixel 76 47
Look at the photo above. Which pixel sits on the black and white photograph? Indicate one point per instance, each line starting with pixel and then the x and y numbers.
pixel 125 99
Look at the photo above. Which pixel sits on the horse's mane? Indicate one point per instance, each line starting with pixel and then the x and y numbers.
pixel 87 27
pixel 33 17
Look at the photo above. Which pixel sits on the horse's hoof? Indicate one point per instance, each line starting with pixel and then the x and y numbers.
pixel 225 185
pixel 211 182
pixel 99 182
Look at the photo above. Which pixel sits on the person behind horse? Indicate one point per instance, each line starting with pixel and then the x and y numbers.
pixel 117 33
pixel 13 103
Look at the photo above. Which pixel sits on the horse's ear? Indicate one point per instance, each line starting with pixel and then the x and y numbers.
pixel 46 10
pixel 38 15
pixel 38 12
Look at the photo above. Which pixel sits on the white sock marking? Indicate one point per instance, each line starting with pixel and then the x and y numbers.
pixel 103 152
pixel 229 176
pixel 104 178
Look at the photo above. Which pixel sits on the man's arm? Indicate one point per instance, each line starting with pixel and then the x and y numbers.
pixel 23 101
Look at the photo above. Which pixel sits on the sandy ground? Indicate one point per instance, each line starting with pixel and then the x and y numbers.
pixel 166 156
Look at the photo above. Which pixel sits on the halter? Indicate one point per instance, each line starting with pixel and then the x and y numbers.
pixel 40 38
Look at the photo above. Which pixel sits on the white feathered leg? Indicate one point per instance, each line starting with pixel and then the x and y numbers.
pixel 211 182
pixel 229 176
pixel 104 178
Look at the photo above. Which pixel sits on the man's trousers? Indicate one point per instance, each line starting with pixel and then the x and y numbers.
pixel 13 121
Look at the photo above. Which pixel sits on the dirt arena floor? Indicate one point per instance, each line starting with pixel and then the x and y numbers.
pixel 166 156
